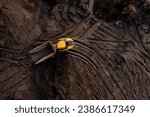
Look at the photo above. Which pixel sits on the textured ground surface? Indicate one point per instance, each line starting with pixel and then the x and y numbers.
pixel 111 58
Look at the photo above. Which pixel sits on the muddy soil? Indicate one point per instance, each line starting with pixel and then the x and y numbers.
pixel 111 58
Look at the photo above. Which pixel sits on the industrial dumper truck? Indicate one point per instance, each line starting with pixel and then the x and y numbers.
pixel 49 49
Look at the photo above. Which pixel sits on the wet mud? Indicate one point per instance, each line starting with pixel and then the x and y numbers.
pixel 111 58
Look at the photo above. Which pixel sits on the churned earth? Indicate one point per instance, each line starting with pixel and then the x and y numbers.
pixel 111 58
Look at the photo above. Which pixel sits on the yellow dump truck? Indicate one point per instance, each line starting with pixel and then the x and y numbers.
pixel 49 49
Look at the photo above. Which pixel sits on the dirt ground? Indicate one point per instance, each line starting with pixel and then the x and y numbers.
pixel 111 58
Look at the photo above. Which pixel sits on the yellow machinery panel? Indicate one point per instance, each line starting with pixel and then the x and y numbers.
pixel 61 45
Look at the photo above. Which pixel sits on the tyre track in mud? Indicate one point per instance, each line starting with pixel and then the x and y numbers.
pixel 85 35
pixel 84 84
pixel 14 80
pixel 15 56
pixel 97 26
pixel 84 58
pixel 11 61
pixel 88 48
pixel 109 33
pixel 89 25
pixel 13 88
pixel 73 30
pixel 69 17
pixel 95 93
pixel 141 60
pixel 80 81
pixel 104 35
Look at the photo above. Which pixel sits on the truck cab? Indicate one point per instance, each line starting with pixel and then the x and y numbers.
pixel 65 44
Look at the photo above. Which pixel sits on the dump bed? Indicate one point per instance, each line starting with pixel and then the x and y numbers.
pixel 42 52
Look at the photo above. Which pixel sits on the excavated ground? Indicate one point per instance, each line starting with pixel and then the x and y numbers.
pixel 111 58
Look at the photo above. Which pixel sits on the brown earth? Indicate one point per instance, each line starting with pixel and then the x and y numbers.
pixel 111 58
